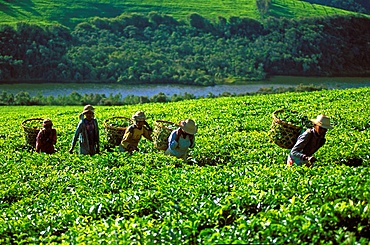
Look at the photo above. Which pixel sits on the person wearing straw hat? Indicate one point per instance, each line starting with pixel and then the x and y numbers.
pixel 181 139
pixel 87 132
pixel 133 133
pixel 46 138
pixel 309 142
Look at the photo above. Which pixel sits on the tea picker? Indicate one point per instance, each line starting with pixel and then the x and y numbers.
pixel 46 138
pixel 87 133
pixel 288 132
pixel 182 139
pixel 309 142
pixel 133 133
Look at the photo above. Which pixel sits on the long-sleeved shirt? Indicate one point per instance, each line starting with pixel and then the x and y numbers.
pixel 88 134
pixel 307 144
pixel 45 141
pixel 133 135
pixel 178 145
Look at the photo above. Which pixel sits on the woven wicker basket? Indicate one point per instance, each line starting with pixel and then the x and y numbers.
pixel 282 133
pixel 162 131
pixel 115 133
pixel 30 133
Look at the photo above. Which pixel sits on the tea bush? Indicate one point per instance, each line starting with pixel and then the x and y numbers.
pixel 235 188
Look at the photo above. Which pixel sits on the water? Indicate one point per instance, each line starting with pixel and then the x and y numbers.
pixel 56 89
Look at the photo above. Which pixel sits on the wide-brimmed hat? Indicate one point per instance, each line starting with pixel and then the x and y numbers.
pixel 322 121
pixel 189 126
pixel 139 116
pixel 88 108
pixel 47 122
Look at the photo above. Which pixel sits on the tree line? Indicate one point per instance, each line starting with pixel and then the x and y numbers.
pixel 156 48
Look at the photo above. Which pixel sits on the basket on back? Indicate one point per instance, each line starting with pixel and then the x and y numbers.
pixel 115 128
pixel 286 127
pixel 31 128
pixel 162 131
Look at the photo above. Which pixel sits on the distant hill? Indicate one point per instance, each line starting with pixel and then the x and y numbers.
pixel 147 41
pixel 71 12
pixel 359 6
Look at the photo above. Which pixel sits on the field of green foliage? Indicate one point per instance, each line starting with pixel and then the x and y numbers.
pixel 235 188
pixel 71 12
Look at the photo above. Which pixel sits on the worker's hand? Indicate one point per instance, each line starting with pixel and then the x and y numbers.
pixel 311 159
pixel 131 148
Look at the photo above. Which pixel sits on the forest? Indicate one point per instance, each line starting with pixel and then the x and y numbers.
pixel 156 48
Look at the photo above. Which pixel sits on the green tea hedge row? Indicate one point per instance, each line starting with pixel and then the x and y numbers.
pixel 235 188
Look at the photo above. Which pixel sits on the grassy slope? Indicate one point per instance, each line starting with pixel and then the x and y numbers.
pixel 71 12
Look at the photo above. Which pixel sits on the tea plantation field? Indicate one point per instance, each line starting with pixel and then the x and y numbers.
pixel 236 188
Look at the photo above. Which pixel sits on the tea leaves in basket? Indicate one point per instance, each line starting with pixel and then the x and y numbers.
pixel 118 123
pixel 35 124
pixel 294 118
pixel 289 124
pixel 115 129
pixel 31 128
pixel 161 134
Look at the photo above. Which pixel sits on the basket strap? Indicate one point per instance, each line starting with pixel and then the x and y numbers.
pixel 177 136
pixel 162 121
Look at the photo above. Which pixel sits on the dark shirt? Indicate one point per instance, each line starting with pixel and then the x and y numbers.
pixel 46 140
pixel 90 129
pixel 86 145
pixel 307 144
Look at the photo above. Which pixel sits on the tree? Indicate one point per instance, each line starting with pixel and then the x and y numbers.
pixel 22 98
pixel 263 6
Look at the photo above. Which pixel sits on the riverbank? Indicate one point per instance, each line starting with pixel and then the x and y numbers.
pixel 63 89
pixel 75 98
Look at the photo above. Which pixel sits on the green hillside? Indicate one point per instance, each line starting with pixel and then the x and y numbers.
pixel 235 189
pixel 71 12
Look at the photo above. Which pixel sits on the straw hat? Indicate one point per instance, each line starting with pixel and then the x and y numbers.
pixel 47 122
pixel 139 116
pixel 189 126
pixel 88 108
pixel 322 121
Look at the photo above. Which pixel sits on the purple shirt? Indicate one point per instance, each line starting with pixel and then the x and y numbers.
pixel 90 129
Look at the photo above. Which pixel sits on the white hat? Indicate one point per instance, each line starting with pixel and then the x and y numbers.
pixel 88 108
pixel 189 126
pixel 322 121
pixel 139 116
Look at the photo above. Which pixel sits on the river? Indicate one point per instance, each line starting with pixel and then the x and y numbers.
pixel 56 89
